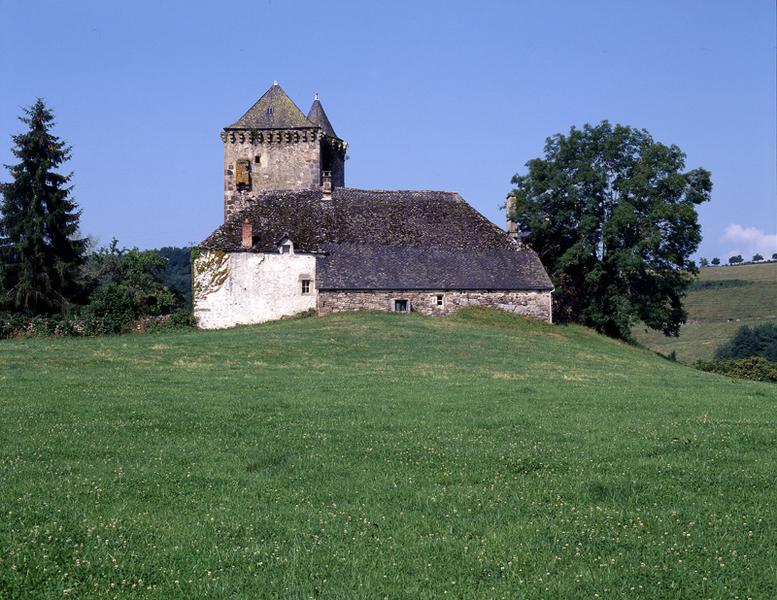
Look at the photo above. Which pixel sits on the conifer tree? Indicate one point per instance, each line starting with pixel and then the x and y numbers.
pixel 40 253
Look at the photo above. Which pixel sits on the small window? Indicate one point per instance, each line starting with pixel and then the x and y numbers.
pixel 306 286
pixel 401 306
pixel 438 299
pixel 243 174
pixel 286 249
pixel 258 159
pixel 269 111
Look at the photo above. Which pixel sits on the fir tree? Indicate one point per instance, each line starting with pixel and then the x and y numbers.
pixel 40 253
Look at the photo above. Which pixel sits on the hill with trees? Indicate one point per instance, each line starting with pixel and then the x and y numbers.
pixel 720 301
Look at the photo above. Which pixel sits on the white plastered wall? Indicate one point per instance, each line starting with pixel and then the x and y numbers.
pixel 238 288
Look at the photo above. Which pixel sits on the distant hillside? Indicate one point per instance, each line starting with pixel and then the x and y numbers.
pixel 721 300
pixel 178 273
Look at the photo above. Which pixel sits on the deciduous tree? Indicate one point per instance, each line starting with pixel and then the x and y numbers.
pixel 612 214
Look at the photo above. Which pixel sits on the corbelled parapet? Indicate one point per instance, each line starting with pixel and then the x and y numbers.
pixel 272 136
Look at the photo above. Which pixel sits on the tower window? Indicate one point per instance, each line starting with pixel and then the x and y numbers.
pixel 306 286
pixel 243 174
pixel 402 306
pixel 258 159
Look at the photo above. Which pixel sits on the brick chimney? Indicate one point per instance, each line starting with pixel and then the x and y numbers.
pixel 248 234
pixel 326 188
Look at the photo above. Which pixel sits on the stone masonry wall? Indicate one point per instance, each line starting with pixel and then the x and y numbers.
pixel 283 165
pixel 529 303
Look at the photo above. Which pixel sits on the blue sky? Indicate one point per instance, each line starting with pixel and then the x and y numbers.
pixel 430 95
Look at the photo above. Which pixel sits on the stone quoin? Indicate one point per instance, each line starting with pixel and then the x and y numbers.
pixel 295 239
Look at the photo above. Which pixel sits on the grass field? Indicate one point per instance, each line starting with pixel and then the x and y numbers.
pixel 725 299
pixel 381 455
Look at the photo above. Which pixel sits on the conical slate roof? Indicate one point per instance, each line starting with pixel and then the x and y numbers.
pixel 318 116
pixel 274 110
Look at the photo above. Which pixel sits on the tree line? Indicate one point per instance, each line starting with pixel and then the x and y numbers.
pixel 610 211
pixel 737 259
pixel 51 280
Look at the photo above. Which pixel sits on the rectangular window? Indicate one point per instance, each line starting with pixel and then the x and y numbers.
pixel 401 306
pixel 438 299
pixel 285 249
pixel 243 174
pixel 258 159
pixel 306 286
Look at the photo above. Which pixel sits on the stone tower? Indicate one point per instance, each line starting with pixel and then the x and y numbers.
pixel 274 146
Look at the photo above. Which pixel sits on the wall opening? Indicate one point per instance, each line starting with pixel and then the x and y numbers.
pixel 243 174
pixel 401 306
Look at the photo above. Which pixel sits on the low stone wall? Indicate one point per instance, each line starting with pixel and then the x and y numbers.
pixel 530 303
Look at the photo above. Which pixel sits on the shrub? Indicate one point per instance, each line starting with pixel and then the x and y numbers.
pixel 127 288
pixel 11 324
pixel 111 309
pixel 751 341
pixel 17 325
pixel 183 318
pixel 755 368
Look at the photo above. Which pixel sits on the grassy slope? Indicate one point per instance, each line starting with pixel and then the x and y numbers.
pixel 372 455
pixel 714 315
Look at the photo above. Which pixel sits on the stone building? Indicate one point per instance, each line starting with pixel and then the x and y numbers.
pixel 294 239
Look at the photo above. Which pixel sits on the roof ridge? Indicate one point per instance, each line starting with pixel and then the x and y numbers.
pixel 383 191
pixel 274 110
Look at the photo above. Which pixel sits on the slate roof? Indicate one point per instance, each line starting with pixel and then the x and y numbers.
pixel 364 267
pixel 374 239
pixel 318 116
pixel 274 110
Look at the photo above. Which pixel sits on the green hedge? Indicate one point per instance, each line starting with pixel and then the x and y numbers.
pixel 756 368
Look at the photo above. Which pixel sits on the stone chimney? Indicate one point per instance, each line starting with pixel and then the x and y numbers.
pixel 326 188
pixel 248 234
pixel 512 226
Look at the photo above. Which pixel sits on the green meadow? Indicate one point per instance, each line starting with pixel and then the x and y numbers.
pixel 381 456
pixel 722 300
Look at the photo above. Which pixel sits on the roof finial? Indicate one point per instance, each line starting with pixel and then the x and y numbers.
pixel 315 97
pixel 275 82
